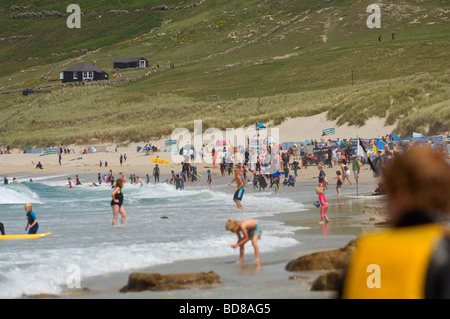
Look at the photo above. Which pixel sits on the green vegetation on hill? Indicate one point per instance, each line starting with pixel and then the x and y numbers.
pixel 264 61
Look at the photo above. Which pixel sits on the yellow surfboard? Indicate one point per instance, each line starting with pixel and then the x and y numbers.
pixel 159 160
pixel 23 236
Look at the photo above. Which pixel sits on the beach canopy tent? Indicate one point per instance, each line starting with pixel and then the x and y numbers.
pixel 174 148
pixel 380 145
pixel 254 145
pixel 286 145
pixel 436 140
pixel 259 126
pixel 186 148
pixel 269 140
pixel 417 135
pixel 49 151
pixel 32 151
pixel 96 149
pixel 328 131
pixel 394 137
pixel 170 142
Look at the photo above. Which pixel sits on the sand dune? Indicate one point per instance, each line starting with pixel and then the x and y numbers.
pixel 297 129
pixel 292 130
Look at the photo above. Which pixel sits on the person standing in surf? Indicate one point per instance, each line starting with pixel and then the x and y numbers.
pixel 209 179
pixel 32 224
pixel 323 205
pixel 156 172
pixel 239 191
pixel 117 202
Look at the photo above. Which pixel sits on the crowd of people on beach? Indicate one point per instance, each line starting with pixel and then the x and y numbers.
pixel 273 167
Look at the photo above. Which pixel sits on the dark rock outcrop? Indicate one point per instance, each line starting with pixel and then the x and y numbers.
pixel 156 282
pixel 329 259
pixel 329 281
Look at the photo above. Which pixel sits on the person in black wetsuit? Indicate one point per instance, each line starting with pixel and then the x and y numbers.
pixel 2 229
pixel 117 202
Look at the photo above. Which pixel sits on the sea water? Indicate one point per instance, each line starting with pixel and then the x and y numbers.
pixel 164 225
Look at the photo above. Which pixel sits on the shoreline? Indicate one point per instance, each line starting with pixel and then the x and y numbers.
pixel 240 281
pixel 271 280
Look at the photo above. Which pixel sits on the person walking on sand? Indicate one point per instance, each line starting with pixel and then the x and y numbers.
pixel 338 183
pixel 356 167
pixel 32 224
pixel 345 172
pixel 239 191
pixel 117 202
pixel 323 205
pixel 322 176
pixel 246 230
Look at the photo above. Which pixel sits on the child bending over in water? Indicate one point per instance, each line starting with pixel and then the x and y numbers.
pixel 246 229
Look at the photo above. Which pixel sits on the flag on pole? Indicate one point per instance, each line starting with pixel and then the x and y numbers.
pixel 361 151
pixel 375 148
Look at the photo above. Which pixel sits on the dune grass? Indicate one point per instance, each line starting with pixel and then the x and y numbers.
pixel 263 64
pixel 110 114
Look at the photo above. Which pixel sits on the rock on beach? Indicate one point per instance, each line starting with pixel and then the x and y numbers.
pixel 157 282
pixel 323 260
pixel 334 260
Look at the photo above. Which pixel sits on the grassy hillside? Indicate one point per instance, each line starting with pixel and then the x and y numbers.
pixel 266 60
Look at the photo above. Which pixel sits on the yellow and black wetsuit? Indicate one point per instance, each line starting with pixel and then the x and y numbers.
pixel 412 261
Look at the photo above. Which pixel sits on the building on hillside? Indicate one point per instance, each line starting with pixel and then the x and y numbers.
pixel 124 63
pixel 82 72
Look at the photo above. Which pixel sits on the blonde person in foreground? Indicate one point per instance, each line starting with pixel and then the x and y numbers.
pixel 246 230
pixel 411 259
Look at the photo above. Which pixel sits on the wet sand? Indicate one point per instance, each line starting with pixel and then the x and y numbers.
pixel 271 280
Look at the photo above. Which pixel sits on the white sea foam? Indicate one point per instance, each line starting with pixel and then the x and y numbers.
pixel 17 194
pixel 80 220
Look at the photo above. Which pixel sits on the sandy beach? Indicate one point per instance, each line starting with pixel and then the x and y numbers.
pixel 239 281
pixel 292 130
